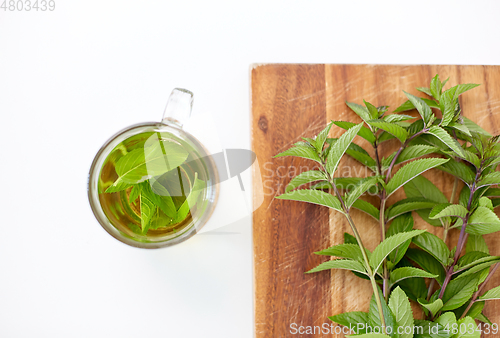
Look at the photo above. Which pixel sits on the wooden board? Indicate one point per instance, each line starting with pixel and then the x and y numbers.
pixel 290 101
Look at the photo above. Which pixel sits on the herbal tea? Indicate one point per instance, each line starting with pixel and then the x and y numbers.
pixel 153 184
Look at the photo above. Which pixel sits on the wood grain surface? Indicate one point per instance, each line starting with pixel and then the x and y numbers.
pixel 290 101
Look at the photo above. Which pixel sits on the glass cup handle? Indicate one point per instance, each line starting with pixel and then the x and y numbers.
pixel 179 106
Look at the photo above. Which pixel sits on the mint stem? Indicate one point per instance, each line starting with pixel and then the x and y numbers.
pixel 454 191
pixel 383 200
pixel 369 270
pixel 478 293
pixel 463 235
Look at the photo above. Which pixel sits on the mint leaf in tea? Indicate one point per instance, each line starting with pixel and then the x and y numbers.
pixel 153 184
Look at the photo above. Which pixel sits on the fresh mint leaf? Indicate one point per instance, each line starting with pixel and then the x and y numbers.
pixel 432 141
pixel 472 126
pixel 422 107
pixel 473 258
pixel 321 138
pixel 309 140
pixel 414 288
pixel 448 210
pixel 483 221
pixel 486 202
pixel 489 179
pixel 374 315
pixel 432 307
pixel 447 319
pixel 340 147
pixel 362 156
pixel 491 294
pixel 460 170
pixel 436 87
pixel 459 127
pixel 391 128
pixel 427 329
pixel 360 189
pixel 360 111
pixel 351 319
pixel 304 178
pixel 415 151
pixel 408 205
pixel 467 328
pixel 427 262
pixel 436 210
pixel 313 196
pixel 350 239
pixel 303 144
pixel 364 132
pixel 303 151
pixel 458 292
pixel 385 136
pixel 345 264
pixel 408 105
pixel 371 109
pixel 422 187
pixel 492 193
pixel 449 109
pixel 402 223
pixel 482 318
pixel 471 158
pixel 397 118
pixel 433 245
pixel 410 171
pixel 347 183
pixel 349 251
pixel 366 207
pixel 443 135
pixel 399 274
pixel 382 110
pixel 477 243
pixel 456 91
pixel 389 245
pixel 425 90
pixel 492 162
pixel 401 308
pixel 477 268
pixel 424 214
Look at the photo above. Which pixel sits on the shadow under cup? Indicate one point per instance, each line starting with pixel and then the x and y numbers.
pixel 163 194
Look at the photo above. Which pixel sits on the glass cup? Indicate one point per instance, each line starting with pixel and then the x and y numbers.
pixel 153 184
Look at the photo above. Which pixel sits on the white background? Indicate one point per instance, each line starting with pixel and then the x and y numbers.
pixel 71 78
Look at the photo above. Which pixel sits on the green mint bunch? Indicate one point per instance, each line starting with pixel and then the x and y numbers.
pixel 405 258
